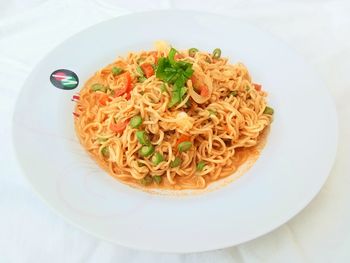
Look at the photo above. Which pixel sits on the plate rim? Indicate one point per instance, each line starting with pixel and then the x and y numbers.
pixel 286 217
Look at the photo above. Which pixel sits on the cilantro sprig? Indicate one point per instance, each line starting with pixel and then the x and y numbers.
pixel 175 73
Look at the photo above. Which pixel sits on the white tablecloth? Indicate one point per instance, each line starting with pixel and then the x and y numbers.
pixel 30 232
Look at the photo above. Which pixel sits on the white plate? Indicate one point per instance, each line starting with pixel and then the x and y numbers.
pixel 290 171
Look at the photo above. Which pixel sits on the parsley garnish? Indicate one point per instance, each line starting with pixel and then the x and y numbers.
pixel 175 73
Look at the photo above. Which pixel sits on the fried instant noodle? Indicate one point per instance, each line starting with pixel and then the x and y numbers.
pixel 125 120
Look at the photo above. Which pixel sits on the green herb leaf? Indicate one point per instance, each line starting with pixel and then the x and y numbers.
pixel 171 56
pixel 174 72
pixel 163 88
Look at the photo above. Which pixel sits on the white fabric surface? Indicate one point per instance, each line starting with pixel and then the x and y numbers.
pixel 30 232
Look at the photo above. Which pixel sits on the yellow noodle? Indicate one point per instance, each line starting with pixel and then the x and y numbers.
pixel 220 129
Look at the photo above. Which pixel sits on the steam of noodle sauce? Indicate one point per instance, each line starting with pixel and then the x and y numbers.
pixel 180 76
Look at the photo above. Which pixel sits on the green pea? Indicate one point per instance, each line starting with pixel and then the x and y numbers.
pixel 98 87
pixel 136 121
pixel 200 166
pixel 269 110
pixel 192 51
pixel 105 151
pixel 146 180
pixel 176 162
pixel 157 179
pixel 217 53
pixel 146 150
pixel 157 158
pixel 142 137
pixel 184 146
pixel 117 71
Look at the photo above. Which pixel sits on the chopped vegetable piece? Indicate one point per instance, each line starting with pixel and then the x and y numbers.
pixel 157 179
pixel 269 110
pixel 217 53
pixel 178 56
pixel 146 150
pixel 142 137
pixel 103 99
pixel 234 93
pixel 147 69
pixel 136 121
pixel 98 87
pixel 141 79
pixel 177 95
pixel 174 72
pixel 257 86
pixel 75 98
pixel 157 158
pixel 140 71
pixel 200 87
pixel 118 127
pixel 146 180
pixel 163 88
pixel 192 51
pixel 140 164
pixel 176 162
pixel 117 71
pixel 182 138
pixel 101 139
pixel 105 151
pixel 127 85
pixel 200 166
pixel 184 146
pixel 204 91
pixel 171 56
pixel 247 88
pixel 212 112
